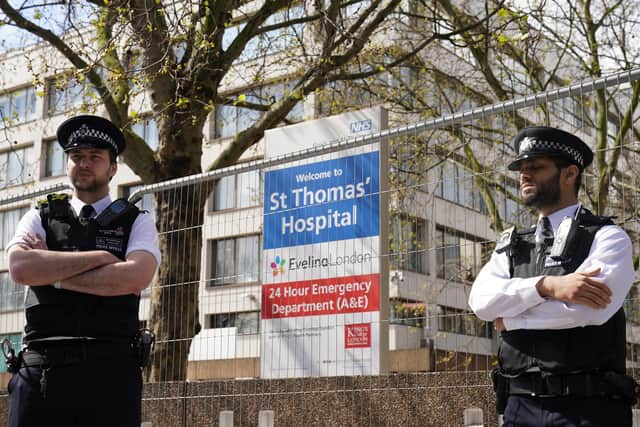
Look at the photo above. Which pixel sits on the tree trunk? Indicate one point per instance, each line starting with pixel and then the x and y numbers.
pixel 174 299
pixel 180 211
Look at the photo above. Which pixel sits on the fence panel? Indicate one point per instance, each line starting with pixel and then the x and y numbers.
pixel 330 285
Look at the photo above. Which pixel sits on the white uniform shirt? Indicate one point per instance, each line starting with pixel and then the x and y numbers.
pixel 144 235
pixel 494 294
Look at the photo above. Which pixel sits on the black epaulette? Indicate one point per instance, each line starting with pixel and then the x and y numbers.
pixel 587 218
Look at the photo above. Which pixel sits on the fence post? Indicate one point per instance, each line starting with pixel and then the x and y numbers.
pixel 266 418
pixel 226 419
pixel 473 417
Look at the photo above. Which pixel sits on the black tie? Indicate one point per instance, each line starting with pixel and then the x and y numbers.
pixel 546 231
pixel 546 237
pixel 86 213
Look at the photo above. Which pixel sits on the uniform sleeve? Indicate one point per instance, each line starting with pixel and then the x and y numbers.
pixel 611 252
pixel 29 223
pixel 144 236
pixel 495 294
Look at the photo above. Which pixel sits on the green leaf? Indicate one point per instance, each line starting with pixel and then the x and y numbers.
pixel 503 13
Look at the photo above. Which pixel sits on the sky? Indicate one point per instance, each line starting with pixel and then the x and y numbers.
pixel 46 13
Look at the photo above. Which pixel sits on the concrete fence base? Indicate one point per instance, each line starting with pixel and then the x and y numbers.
pixel 421 399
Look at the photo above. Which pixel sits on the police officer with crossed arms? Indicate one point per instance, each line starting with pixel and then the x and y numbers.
pixel 85 261
pixel 555 292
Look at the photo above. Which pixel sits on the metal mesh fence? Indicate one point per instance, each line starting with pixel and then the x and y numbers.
pixel 330 285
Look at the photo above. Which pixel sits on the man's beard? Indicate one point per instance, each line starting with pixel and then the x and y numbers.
pixel 547 193
pixel 90 186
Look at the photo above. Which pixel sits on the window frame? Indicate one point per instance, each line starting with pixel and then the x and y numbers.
pixel 241 118
pixel 235 321
pixel 237 193
pixel 407 313
pixel 232 278
pixel 46 143
pixel 21 211
pixel 441 246
pixel 14 293
pixel 30 109
pixel 459 321
pixel 71 101
pixel 451 186
pixel 147 123
pixel 419 233
pixel 25 176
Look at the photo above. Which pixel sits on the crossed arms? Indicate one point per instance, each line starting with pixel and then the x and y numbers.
pixel 590 296
pixel 92 272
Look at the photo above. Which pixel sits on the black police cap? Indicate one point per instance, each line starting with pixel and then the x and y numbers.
pixel 544 141
pixel 87 131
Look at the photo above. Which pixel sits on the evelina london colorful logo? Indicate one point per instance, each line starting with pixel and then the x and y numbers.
pixel 278 265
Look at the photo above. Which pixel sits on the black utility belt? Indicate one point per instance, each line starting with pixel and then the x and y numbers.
pixel 578 385
pixel 69 353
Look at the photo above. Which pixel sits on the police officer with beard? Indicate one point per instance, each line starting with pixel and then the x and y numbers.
pixel 555 292
pixel 85 261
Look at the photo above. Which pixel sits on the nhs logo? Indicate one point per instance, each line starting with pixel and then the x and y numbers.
pixel 361 126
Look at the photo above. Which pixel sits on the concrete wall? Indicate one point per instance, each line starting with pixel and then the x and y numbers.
pixel 424 399
pixel 421 399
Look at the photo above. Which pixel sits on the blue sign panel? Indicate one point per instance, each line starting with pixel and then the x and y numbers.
pixel 321 202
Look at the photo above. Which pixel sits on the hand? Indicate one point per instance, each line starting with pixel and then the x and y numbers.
pixel 34 241
pixel 579 288
pixel 498 324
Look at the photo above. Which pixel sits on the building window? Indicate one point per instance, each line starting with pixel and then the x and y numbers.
pixel 235 260
pixel 231 120
pixel 457 321
pixel 245 322
pixel 458 186
pixel 18 106
pixel 66 93
pixel 145 204
pixel 407 244
pixel 147 129
pixel 270 42
pixel 16 167
pixel 409 313
pixel 408 166
pixel 570 110
pixel 509 209
pixel 16 343
pixel 8 223
pixel 237 191
pixel 12 294
pixel 459 257
pixel 54 159
pixel 339 96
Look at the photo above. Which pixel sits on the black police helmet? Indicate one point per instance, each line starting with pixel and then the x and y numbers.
pixel 87 131
pixel 544 141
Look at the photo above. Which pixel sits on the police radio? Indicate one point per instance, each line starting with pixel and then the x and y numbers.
pixel 113 212
pixel 566 234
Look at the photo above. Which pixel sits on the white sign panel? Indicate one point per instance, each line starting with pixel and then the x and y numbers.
pixel 321 293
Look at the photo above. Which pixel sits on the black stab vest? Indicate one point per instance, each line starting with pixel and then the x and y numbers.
pixel 52 312
pixel 563 351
